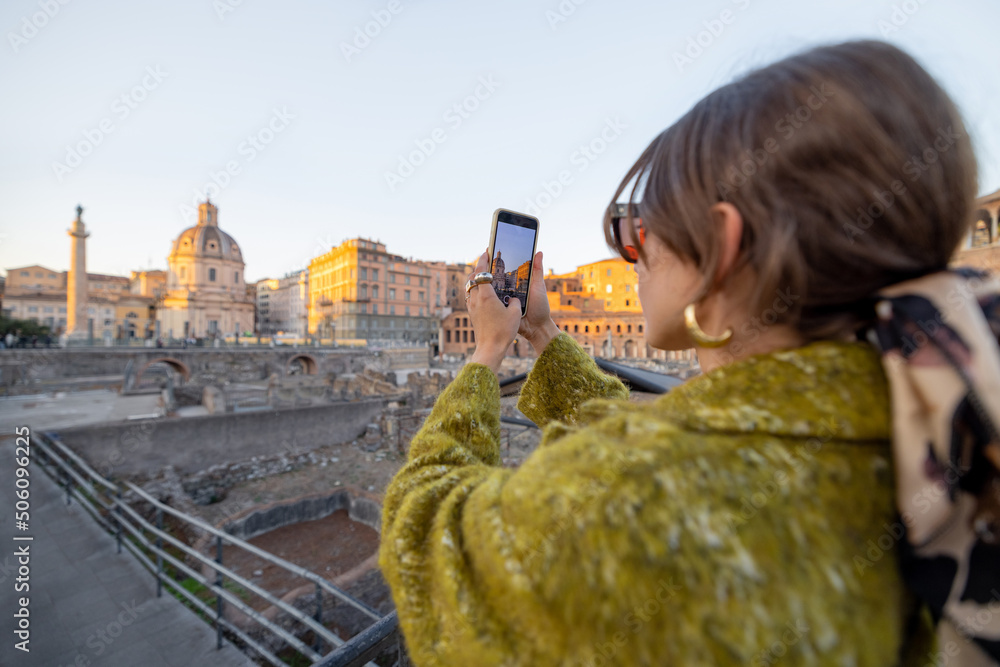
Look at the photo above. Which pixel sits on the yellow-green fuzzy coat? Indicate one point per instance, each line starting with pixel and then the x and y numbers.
pixel 746 517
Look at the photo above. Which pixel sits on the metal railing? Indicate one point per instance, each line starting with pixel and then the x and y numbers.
pixel 102 499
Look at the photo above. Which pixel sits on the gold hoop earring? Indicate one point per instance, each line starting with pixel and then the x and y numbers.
pixel 700 338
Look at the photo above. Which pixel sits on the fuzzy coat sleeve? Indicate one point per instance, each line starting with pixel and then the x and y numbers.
pixel 563 379
pixel 457 554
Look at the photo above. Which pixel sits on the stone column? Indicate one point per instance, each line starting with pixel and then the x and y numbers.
pixel 76 281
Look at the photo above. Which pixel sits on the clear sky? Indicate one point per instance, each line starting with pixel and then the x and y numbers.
pixel 317 125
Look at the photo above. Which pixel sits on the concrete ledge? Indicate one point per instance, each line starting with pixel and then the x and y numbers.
pixel 191 444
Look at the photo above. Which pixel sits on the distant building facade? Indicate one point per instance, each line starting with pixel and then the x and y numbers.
pixel 206 294
pixel 283 305
pixel 115 309
pixel 360 291
pixel 982 248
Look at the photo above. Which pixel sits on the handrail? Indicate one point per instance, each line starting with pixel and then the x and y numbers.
pixel 295 613
pixel 123 516
pixel 81 464
pixel 277 560
pixel 368 644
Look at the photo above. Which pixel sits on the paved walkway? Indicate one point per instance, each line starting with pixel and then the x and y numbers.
pixel 88 604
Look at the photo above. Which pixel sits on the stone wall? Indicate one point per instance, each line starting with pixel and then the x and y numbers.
pixel 261 520
pixel 192 444
pixel 210 364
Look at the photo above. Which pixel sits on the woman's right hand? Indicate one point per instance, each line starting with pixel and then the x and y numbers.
pixel 537 326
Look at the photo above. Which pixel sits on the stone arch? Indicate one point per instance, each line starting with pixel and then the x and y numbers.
pixel 301 364
pixel 983 233
pixel 630 350
pixel 178 366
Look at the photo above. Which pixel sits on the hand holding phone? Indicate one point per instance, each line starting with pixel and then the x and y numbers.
pixel 513 239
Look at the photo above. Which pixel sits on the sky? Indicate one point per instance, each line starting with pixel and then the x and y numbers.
pixel 312 122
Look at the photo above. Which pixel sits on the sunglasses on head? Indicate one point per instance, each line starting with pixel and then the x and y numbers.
pixel 628 244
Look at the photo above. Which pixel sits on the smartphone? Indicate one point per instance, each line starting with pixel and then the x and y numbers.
pixel 512 253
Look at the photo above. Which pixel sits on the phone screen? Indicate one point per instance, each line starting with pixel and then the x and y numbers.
pixel 512 251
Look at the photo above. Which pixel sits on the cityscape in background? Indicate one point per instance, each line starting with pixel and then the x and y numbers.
pixel 358 293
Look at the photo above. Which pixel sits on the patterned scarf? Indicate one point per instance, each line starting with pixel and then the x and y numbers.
pixel 938 335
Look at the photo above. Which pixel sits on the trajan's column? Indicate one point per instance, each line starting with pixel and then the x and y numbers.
pixel 76 281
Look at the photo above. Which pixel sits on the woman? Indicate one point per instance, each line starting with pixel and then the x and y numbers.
pixel 738 519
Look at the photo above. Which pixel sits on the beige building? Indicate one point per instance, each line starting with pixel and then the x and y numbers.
pixel 206 295
pixel 360 291
pixel 116 307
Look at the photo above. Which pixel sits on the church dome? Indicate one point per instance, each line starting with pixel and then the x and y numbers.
pixel 206 239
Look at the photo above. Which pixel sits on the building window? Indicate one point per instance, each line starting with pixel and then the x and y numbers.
pixel 566 328
pixel 640 328
pixel 447 336
pixel 472 337
pixel 392 277
pixel 406 279
pixel 586 328
pixel 392 310
pixel 236 277
pixel 363 291
pixel 406 294
pixel 211 275
pixel 465 336
pixel 608 289
pixel 406 311
pixel 420 295
pixel 392 295
pixel 47 309
pixel 374 309
pixel 628 288
pixel 619 329
pixel 457 323
pixel 374 274
pixel 465 321
pixel 609 272
pixel 627 303
pixel 576 328
pixel 597 328
pixel 630 328
pixel 374 291
pixel 26 274
pixel 364 273
pixel 32 309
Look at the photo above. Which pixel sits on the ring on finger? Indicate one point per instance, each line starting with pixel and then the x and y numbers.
pixel 477 280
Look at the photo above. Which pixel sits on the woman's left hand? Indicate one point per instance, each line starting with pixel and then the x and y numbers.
pixel 495 325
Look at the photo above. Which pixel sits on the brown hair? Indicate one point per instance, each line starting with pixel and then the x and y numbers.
pixel 851 168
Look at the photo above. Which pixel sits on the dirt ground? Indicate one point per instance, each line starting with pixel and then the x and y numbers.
pixel 329 546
